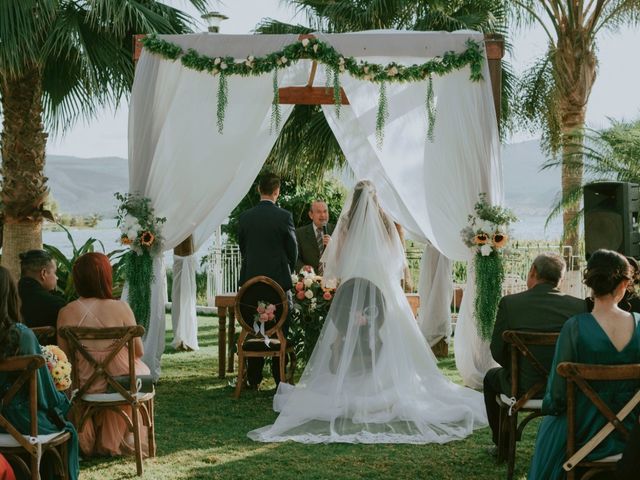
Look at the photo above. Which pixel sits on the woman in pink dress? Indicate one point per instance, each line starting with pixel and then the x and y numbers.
pixel 106 432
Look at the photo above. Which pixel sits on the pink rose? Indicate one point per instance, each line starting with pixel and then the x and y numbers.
pixel 261 308
pixel 326 296
pixel 299 286
pixel 300 295
pixel 271 308
pixel 264 317
pixel 270 316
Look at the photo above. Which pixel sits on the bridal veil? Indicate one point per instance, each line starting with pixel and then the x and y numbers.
pixel 372 378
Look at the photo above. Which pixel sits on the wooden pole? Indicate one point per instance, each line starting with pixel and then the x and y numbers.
pixel 494 45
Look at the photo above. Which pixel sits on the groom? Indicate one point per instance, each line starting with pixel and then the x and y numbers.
pixel 268 247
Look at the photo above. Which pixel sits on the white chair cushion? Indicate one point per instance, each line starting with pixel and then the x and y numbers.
pixel 115 397
pixel 7 440
pixel 610 458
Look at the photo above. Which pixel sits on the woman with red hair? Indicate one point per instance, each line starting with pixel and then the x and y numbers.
pixel 106 433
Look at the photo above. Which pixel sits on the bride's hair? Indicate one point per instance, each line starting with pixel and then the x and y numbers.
pixel 367 186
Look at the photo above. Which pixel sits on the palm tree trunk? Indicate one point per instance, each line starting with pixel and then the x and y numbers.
pixel 575 71
pixel 24 189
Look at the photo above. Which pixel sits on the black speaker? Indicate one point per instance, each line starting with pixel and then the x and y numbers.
pixel 611 211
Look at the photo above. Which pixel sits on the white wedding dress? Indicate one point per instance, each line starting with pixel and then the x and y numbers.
pixel 372 378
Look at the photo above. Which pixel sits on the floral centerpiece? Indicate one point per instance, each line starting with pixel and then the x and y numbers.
pixel 487 235
pixel 140 230
pixel 265 312
pixel 311 303
pixel 58 366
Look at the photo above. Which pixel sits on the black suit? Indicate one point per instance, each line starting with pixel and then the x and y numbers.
pixel 308 251
pixel 268 247
pixel 542 308
pixel 39 307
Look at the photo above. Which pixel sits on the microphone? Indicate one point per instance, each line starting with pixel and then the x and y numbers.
pixel 324 229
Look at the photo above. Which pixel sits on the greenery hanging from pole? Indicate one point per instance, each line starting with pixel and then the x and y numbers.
pixel 336 63
pixel 140 230
pixel 487 236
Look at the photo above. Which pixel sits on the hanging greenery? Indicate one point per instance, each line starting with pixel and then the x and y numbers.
pixel 140 230
pixel 487 236
pixel 336 63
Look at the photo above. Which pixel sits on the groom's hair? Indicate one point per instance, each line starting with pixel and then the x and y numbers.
pixel 268 184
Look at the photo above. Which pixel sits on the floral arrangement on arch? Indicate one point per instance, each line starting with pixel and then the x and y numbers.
pixel 141 231
pixel 58 365
pixel 487 235
pixel 312 299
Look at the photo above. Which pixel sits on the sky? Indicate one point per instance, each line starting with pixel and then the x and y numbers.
pixel 615 95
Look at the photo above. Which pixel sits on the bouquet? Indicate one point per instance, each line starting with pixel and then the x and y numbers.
pixel 487 236
pixel 311 304
pixel 141 231
pixel 58 366
pixel 265 312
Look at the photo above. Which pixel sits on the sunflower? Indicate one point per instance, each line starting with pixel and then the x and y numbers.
pixel 481 239
pixel 125 240
pixel 147 238
pixel 500 240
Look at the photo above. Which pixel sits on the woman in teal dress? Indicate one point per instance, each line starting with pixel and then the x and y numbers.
pixel 16 339
pixel 606 336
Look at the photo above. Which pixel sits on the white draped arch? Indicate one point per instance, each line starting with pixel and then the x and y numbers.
pixel 195 176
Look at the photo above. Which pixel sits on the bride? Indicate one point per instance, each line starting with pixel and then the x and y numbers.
pixel 372 378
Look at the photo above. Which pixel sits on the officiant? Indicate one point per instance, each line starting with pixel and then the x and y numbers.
pixel 314 237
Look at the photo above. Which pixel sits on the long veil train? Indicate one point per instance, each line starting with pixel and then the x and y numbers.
pixel 372 378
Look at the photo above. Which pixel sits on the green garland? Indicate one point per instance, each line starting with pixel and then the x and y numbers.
pixel 489 278
pixel 139 274
pixel 314 49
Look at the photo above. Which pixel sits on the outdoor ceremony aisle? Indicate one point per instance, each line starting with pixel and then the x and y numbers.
pixel 202 435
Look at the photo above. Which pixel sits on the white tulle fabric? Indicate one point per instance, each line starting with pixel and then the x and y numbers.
pixel 372 377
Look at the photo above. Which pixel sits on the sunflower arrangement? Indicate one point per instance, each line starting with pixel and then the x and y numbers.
pixel 487 235
pixel 58 365
pixel 141 231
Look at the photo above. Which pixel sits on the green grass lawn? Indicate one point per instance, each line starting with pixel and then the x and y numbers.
pixel 201 434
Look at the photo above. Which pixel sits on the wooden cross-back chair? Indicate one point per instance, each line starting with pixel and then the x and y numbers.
pixel 580 375
pixel 45 335
pixel 252 343
pixel 530 401
pixel 125 394
pixel 16 446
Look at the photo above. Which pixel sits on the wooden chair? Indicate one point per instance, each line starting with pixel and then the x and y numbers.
pixel 251 344
pixel 16 446
pixel 125 394
pixel 45 335
pixel 529 402
pixel 579 375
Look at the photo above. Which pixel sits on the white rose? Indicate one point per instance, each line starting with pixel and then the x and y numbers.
pixel 305 42
pixel 486 250
pixel 217 61
pixel 308 294
pixel 315 48
pixel 223 66
pixel 341 60
pixel 365 69
pixel 284 59
pixel 331 283
pixel 308 282
pixel 294 278
pixel 392 72
pixel 251 58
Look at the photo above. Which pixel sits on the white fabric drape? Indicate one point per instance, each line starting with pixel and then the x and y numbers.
pixel 183 307
pixel 435 284
pixel 193 175
pixel 428 187
pixel 196 176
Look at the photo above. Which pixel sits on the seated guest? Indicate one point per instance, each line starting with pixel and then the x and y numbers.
pixel 541 308
pixel 629 465
pixel 40 306
pixel 106 433
pixel 631 301
pixel 15 340
pixel 6 472
pixel 313 238
pixel 606 336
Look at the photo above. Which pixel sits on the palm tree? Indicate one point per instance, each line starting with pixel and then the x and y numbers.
pixel 606 155
pixel 61 60
pixel 307 148
pixel 556 89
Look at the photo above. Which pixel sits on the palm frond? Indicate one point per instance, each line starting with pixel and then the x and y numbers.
pixel 271 26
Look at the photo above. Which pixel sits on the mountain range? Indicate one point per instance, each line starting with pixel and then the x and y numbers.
pixel 83 186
